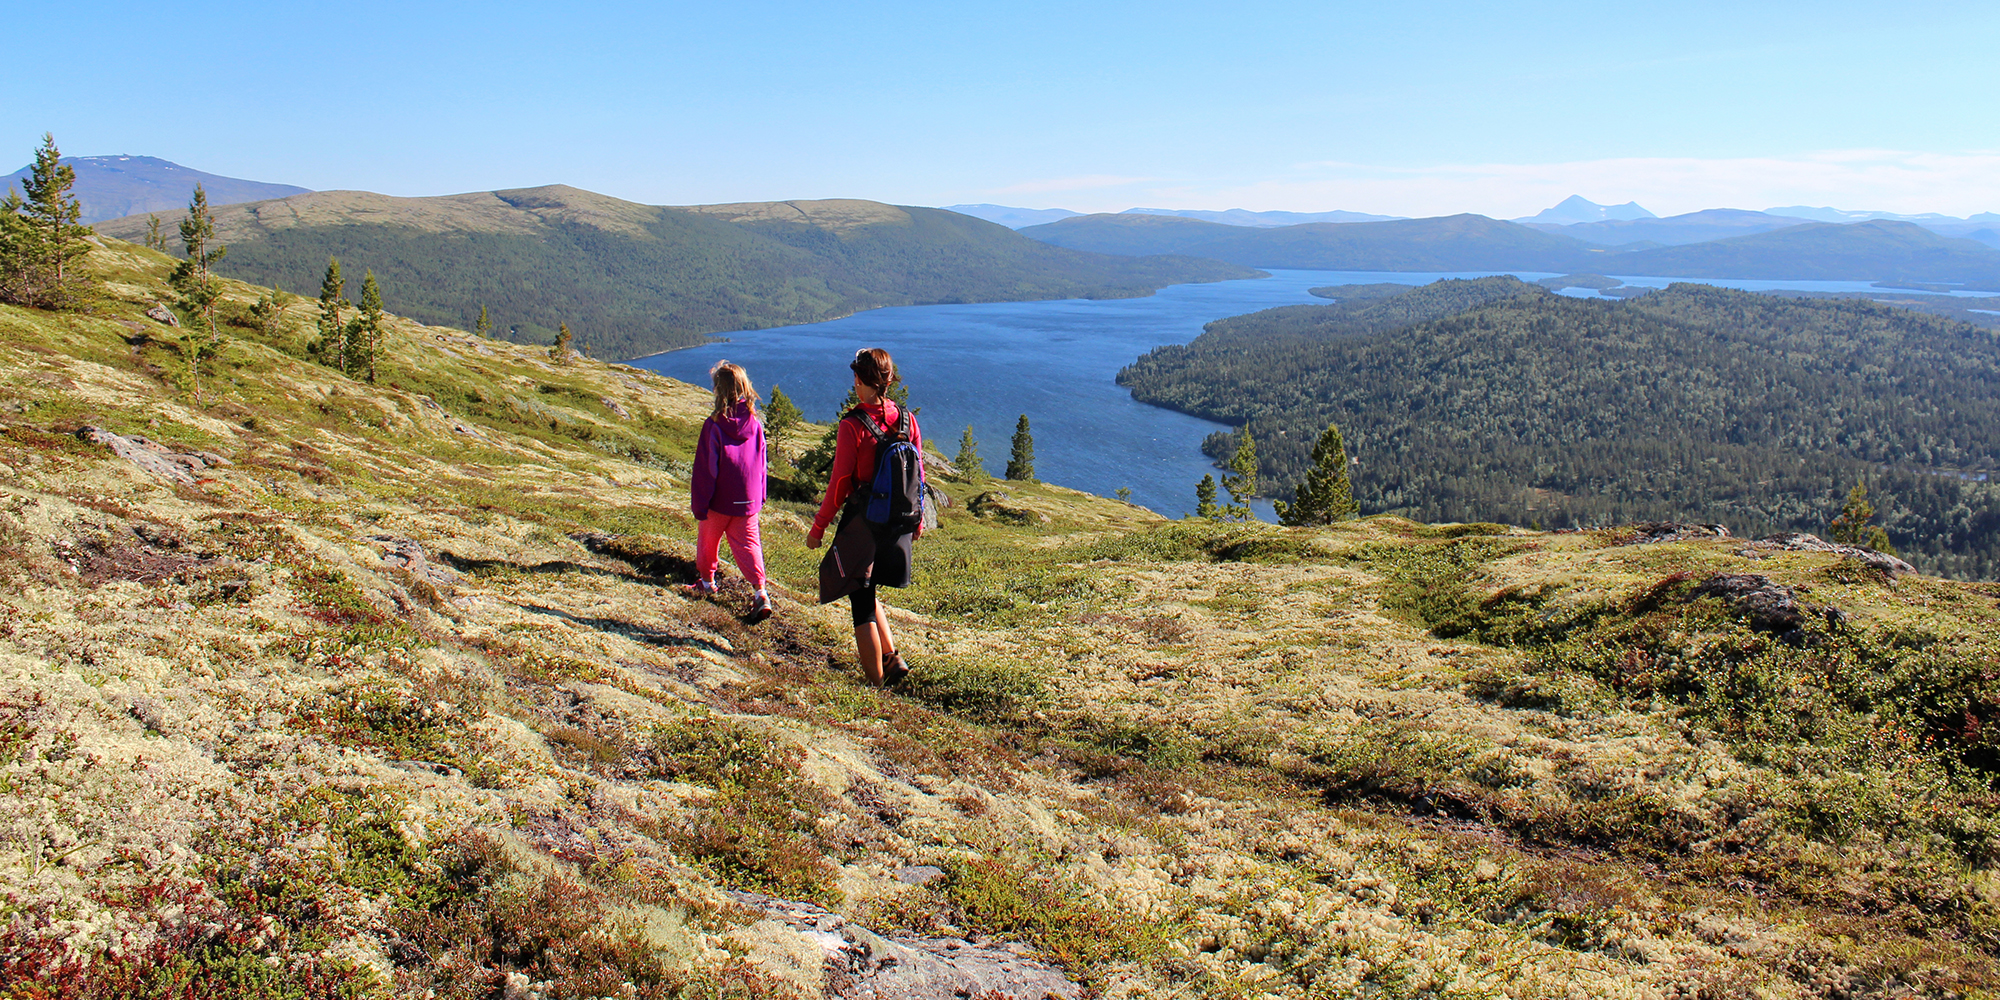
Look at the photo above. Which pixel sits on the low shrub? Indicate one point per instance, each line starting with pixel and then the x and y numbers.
pixel 758 830
pixel 982 690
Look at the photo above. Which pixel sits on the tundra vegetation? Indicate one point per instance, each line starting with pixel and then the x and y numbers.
pixel 320 688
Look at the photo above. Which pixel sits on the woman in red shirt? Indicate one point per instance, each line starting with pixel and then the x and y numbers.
pixel 888 564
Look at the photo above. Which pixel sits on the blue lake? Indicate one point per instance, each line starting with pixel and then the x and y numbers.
pixel 985 364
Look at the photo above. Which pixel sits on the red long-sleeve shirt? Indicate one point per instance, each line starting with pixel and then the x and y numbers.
pixel 854 450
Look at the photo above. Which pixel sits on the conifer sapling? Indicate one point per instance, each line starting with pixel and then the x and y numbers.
pixel 194 278
pixel 1021 466
pixel 1242 479
pixel 1325 495
pixel 970 467
pixel 1204 498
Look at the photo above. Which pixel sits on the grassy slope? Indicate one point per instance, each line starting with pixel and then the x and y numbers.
pixel 635 279
pixel 1176 757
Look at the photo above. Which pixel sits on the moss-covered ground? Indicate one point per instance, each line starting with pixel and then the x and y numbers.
pixel 250 747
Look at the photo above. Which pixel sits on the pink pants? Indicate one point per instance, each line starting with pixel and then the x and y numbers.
pixel 743 544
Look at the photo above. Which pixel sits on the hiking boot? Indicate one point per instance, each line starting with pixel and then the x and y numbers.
pixel 700 589
pixel 894 669
pixel 760 608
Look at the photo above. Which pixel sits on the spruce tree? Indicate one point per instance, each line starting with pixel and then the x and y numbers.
pixel 970 467
pixel 484 327
pixel 331 346
pixel 364 333
pixel 1021 466
pixel 1204 499
pixel 1325 495
pixel 194 278
pixel 155 240
pixel 1242 480
pixel 781 415
pixel 42 241
pixel 559 348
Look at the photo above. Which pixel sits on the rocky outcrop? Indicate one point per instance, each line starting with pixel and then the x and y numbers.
pixel 178 466
pixel 1800 542
pixel 1649 532
pixel 864 965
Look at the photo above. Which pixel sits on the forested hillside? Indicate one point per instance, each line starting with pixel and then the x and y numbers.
pixel 1692 403
pixel 635 279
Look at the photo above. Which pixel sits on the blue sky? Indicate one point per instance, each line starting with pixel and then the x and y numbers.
pixel 1407 109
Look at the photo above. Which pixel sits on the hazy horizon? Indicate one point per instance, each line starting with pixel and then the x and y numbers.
pixel 1423 110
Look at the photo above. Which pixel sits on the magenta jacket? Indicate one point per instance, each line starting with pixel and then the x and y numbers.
pixel 729 465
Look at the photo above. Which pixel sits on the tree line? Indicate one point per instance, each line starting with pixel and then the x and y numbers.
pixel 1690 403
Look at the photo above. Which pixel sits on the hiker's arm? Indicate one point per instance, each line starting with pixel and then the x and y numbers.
pixel 840 481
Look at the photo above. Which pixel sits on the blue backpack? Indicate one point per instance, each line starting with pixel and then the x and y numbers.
pixel 896 496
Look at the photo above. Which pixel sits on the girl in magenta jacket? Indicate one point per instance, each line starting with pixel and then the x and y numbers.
pixel 728 486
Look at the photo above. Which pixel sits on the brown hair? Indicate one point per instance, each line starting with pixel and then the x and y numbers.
pixel 874 368
pixel 732 384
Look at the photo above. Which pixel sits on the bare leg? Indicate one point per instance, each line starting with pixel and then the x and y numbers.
pixel 868 649
pixel 884 641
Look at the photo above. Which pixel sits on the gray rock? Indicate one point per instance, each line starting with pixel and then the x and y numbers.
pixel 868 966
pixel 150 456
pixel 1770 606
pixel 162 314
pixel 1652 532
pixel 408 554
pixel 1797 541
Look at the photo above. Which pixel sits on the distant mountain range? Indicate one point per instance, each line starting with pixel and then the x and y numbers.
pixel 1693 227
pixel 1869 251
pixel 1021 218
pixel 1628 226
pixel 109 187
pixel 635 279
pixel 1012 218
pixel 1450 243
pixel 1575 210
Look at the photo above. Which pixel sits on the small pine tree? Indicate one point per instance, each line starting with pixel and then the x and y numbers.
pixel 971 467
pixel 484 327
pixel 1326 495
pixel 1242 480
pixel 155 240
pixel 194 278
pixel 1851 527
pixel 1204 499
pixel 1021 465
pixel 42 241
pixel 559 348
pixel 1124 493
pixel 364 332
pixel 330 347
pixel 781 415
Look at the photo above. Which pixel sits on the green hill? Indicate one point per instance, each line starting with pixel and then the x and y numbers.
pixel 634 279
pixel 1881 250
pixel 1449 243
pixel 1693 404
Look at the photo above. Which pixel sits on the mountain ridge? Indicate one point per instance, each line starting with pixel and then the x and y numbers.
pixel 111 187
pixel 633 279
